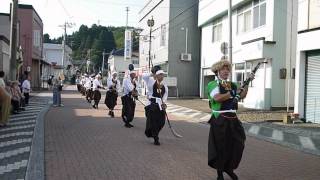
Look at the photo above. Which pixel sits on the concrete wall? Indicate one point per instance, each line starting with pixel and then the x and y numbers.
pixel 168 55
pixel 53 53
pixel 5 25
pixel 187 72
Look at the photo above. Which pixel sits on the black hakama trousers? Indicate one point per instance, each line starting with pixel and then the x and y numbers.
pixel 128 108
pixel 96 97
pixel 111 99
pixel 155 120
pixel 226 142
pixel 89 95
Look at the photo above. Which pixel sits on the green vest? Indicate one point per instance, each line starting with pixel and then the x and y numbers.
pixel 214 105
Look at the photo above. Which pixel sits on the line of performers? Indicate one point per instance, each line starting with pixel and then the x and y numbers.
pixel 157 93
pixel 226 137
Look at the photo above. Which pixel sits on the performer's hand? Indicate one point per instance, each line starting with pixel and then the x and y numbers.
pixel 164 106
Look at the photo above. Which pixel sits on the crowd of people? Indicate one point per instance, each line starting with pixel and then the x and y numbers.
pixel 90 86
pixel 14 97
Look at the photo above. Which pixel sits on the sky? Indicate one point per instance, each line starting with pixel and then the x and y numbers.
pixel 104 12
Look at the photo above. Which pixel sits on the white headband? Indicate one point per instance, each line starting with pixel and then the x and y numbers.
pixel 160 72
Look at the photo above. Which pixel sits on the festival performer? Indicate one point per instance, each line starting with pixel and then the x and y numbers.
pixel 155 110
pixel 128 99
pixel 78 83
pixel 88 86
pixel 82 84
pixel 227 136
pixel 96 94
pixel 112 92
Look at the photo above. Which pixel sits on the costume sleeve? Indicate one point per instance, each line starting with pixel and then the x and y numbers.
pixel 146 77
pixel 118 86
pixel 109 82
pixel 165 96
pixel 128 85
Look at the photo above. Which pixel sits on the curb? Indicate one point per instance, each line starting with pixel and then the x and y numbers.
pixel 35 167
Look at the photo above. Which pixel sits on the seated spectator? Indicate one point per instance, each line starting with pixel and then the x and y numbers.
pixel 5 102
pixel 21 97
pixel 15 99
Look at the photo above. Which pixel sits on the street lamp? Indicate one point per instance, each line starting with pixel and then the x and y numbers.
pixel 150 24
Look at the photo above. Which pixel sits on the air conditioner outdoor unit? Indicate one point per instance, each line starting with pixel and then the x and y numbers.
pixel 185 57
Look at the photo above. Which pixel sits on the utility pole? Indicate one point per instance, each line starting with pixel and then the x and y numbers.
pixel 150 23
pixel 127 9
pixel 13 40
pixel 65 26
pixel 103 54
pixel 230 35
pixel 88 61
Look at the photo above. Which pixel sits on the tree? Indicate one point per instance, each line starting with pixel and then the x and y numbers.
pixel 46 38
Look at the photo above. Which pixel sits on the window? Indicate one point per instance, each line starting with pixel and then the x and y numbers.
pixel 251 16
pixel 163 35
pixel 217 32
pixel 36 38
pixel 239 66
pixel 314 14
pixel 244 21
pixel 259 13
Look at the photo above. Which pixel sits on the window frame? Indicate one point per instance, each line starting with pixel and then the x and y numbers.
pixel 241 20
pixel 219 33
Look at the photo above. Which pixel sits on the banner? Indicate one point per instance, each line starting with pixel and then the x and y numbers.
pixel 128 44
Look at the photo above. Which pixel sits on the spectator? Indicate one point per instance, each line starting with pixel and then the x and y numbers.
pixel 26 88
pixel 56 91
pixel 2 83
pixel 15 98
pixel 5 102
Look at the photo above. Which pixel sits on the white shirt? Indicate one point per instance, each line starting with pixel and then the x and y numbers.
pixel 127 86
pixel 149 80
pixel 150 83
pixel 110 84
pixel 96 84
pixel 83 81
pixel 26 87
pixel 87 85
pixel 2 83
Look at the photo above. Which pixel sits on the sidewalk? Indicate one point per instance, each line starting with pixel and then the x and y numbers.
pixel 304 137
pixel 19 140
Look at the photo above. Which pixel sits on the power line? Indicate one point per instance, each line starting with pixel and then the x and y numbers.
pixel 65 10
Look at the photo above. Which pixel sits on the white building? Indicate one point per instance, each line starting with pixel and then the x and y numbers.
pixel 53 54
pixel 262 30
pixel 117 62
pixel 307 90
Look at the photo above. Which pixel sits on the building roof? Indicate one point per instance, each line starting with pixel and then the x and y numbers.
pixel 120 52
pixel 4 14
pixel 27 6
pixel 51 46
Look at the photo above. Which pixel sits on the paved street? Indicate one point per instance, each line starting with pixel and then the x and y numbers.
pixel 83 143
